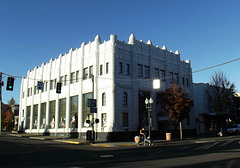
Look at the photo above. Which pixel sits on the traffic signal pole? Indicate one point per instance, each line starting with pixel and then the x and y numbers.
pixel 1 102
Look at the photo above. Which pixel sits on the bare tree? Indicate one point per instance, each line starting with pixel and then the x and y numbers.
pixel 220 95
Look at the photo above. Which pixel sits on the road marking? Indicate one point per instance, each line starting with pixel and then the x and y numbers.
pixel 106 156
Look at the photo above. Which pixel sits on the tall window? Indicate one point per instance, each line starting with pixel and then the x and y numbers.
pixel 62 113
pixel 140 70
pixel 101 70
pixel 128 69
pixel 176 77
pixel 104 120
pixel 35 116
pixel 28 117
pixel 85 73
pixel 72 78
pixel 90 71
pixel 107 67
pixel 77 76
pixel 163 75
pixel 146 71
pixel 52 105
pixel 86 110
pixel 43 116
pixel 120 67
pixel 124 119
pixel 104 99
pixel 183 81
pixel 187 82
pixel 65 80
pixel 125 99
pixel 51 84
pixel 73 112
pixel 171 76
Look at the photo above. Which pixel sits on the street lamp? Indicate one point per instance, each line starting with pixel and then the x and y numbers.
pixel 149 103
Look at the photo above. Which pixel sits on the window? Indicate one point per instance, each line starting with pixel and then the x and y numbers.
pixel 128 69
pixel 43 116
pixel 51 84
pixel 46 83
pixel 124 119
pixel 90 71
pixel 29 92
pixel 176 77
pixel 163 75
pixel 140 70
pixel 104 99
pixel 146 71
pixel 73 112
pixel 65 80
pixel 62 113
pixel 28 117
pixel 120 68
pixel 86 110
pixel 183 81
pixel 156 73
pixel 101 70
pixel 35 90
pixel 52 113
pixel 35 116
pixel 171 76
pixel 125 99
pixel 72 78
pixel 107 67
pixel 55 83
pixel 187 82
pixel 104 120
pixel 77 76
pixel 85 73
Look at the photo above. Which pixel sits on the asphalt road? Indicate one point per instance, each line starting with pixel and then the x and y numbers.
pixel 217 152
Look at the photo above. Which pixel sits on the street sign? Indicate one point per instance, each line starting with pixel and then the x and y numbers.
pixel 91 102
pixel 93 110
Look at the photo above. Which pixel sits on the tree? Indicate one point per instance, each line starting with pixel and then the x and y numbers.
pixel 221 98
pixel 11 102
pixel 7 119
pixel 177 103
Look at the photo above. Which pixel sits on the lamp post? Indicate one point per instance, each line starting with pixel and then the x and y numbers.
pixel 149 103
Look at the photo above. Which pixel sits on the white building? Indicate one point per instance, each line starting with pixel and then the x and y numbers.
pixel 122 73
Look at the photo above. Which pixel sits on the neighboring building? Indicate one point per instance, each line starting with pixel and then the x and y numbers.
pixel 118 74
pixel 205 117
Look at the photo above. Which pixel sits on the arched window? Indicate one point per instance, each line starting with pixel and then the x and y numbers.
pixel 104 99
pixel 125 99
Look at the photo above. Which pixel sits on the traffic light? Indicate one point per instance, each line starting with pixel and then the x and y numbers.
pixel 10 83
pixel 59 87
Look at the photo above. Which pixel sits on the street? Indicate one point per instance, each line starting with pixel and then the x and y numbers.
pixel 205 152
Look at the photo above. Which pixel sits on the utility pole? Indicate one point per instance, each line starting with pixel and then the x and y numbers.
pixel 1 84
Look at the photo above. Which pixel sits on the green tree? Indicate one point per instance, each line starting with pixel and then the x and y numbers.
pixel 177 103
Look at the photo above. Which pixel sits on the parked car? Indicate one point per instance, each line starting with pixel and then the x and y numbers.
pixel 234 129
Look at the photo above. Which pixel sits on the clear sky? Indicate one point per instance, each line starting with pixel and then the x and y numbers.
pixel 207 32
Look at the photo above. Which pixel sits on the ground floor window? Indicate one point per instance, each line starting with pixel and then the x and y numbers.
pixel 52 105
pixel 86 110
pixel 62 113
pixel 43 116
pixel 35 116
pixel 74 112
pixel 104 120
pixel 28 115
pixel 124 119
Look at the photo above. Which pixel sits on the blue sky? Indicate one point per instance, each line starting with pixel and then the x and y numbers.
pixel 207 32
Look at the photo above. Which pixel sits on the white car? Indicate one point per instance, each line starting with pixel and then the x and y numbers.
pixel 234 129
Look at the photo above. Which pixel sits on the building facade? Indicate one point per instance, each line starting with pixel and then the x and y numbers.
pixel 117 74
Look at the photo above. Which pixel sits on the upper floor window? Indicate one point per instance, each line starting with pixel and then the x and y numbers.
pixel 101 70
pixel 107 67
pixel 85 73
pixel 77 76
pixel 104 99
pixel 156 73
pixel 146 71
pixel 90 71
pixel 125 99
pixel 163 75
pixel 140 70
pixel 128 69
pixel 171 77
pixel 73 78
pixel 120 67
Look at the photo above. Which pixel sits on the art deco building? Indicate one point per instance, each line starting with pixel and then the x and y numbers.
pixel 117 74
